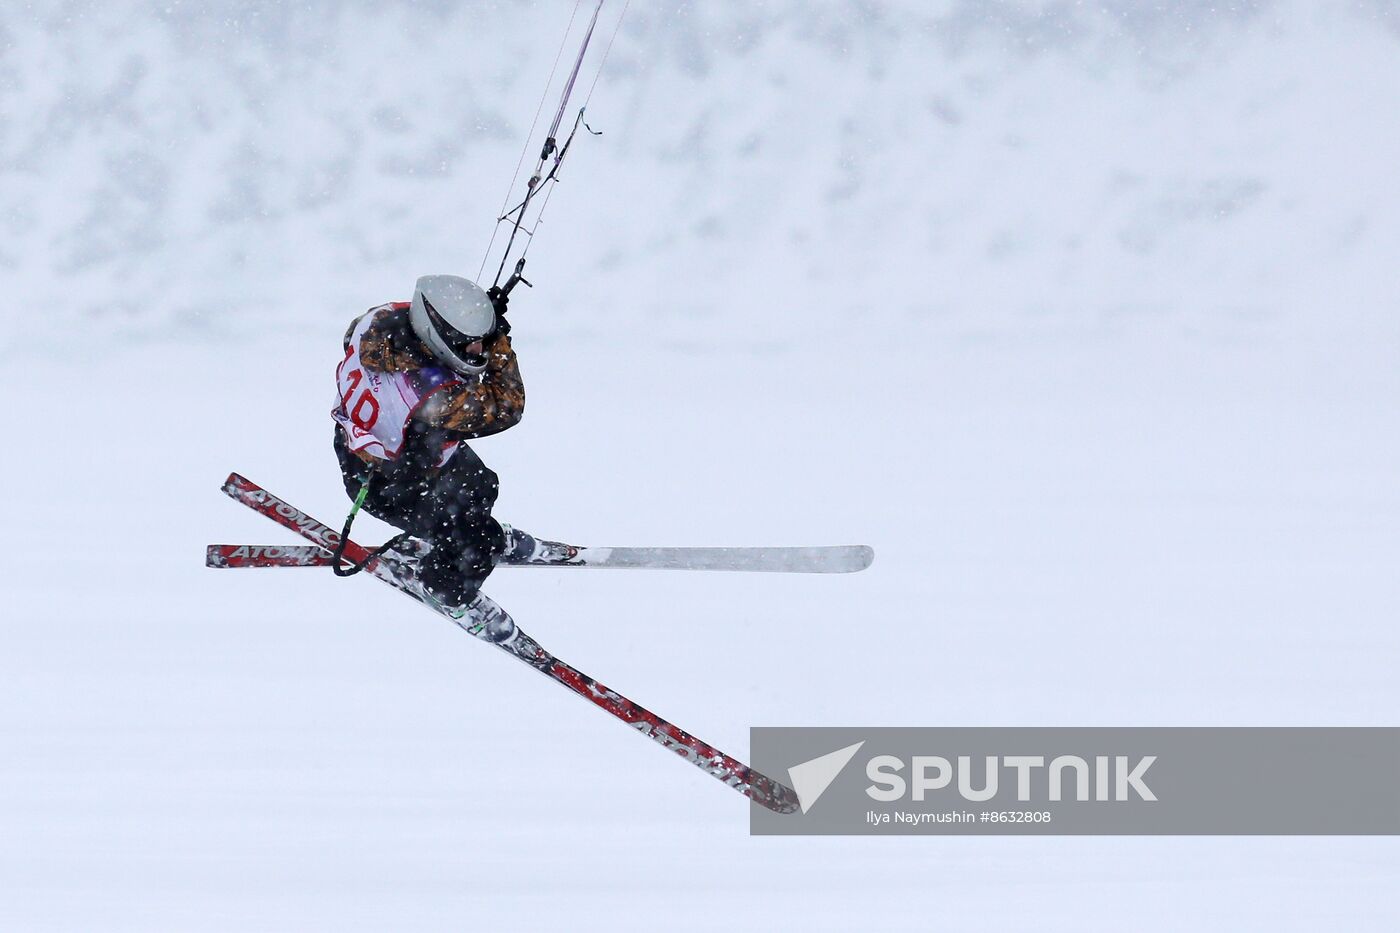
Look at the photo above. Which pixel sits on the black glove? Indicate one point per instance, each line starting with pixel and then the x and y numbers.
pixel 499 299
pixel 501 302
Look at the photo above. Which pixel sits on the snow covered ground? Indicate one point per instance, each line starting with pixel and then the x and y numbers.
pixel 1085 319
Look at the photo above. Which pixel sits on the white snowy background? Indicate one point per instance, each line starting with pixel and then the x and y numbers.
pixel 1084 315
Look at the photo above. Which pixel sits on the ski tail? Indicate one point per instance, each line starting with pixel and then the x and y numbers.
pixel 758 787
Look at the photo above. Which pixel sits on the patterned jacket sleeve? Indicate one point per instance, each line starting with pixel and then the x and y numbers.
pixel 388 344
pixel 480 408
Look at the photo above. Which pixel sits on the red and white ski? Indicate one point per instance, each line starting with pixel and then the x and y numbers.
pixel 489 622
pixel 837 559
pixel 265 555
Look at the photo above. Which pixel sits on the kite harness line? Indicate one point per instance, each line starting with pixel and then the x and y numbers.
pixel 551 153
pixel 338 555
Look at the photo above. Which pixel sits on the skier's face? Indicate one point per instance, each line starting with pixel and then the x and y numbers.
pixel 471 351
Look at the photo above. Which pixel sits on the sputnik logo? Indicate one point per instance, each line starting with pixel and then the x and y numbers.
pixel 811 778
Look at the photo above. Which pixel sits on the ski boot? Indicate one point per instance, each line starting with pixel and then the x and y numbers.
pixel 407 561
pixel 481 616
pixel 521 547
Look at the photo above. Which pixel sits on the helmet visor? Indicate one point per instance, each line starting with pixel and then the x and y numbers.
pixel 467 347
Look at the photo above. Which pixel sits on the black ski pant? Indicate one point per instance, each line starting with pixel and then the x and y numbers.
pixel 448 506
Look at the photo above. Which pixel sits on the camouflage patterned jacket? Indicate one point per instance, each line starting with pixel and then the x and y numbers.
pixel 477 406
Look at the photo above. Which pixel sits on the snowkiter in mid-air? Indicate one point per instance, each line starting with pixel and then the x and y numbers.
pixel 419 379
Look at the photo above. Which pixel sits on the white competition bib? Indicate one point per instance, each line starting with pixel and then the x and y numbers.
pixel 375 408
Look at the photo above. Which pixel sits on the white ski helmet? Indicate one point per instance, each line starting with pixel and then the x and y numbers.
pixel 449 313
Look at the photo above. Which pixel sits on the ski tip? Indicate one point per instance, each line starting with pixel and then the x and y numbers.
pixel 214 556
pixel 864 557
pixel 774 795
pixel 237 486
